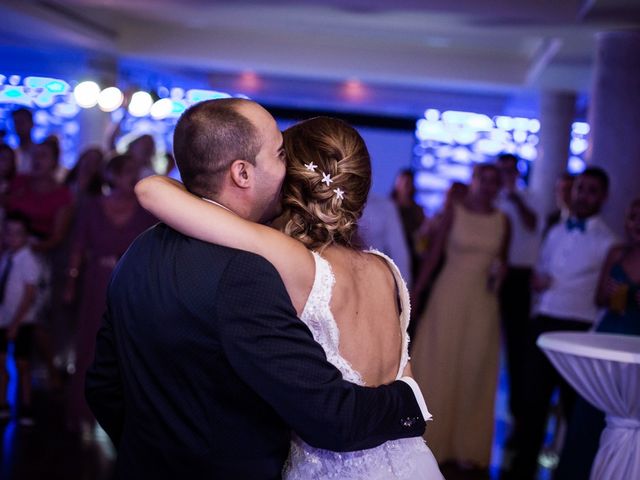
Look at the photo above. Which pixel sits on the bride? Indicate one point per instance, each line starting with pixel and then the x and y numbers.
pixel 354 302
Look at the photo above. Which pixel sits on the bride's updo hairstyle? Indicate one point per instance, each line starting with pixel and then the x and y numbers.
pixel 318 211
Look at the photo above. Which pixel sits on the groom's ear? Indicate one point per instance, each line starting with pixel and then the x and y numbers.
pixel 242 173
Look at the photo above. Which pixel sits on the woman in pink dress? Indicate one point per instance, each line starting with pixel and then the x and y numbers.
pixel 106 227
pixel 49 207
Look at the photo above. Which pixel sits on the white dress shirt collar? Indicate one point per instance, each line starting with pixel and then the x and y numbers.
pixel 216 203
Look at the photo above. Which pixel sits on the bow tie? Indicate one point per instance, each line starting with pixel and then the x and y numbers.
pixel 576 224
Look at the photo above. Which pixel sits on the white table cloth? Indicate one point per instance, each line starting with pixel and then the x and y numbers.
pixel 605 370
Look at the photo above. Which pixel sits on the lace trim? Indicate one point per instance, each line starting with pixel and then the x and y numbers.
pixel 405 303
pixel 318 317
pixel 397 459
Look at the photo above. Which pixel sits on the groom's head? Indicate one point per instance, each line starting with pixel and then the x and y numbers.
pixel 230 150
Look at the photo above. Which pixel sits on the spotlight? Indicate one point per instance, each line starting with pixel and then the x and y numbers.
pixel 354 89
pixel 86 94
pixel 140 104
pixel 162 108
pixel 110 99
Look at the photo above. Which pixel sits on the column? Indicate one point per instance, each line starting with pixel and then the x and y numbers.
pixel 614 115
pixel 557 110
pixel 95 124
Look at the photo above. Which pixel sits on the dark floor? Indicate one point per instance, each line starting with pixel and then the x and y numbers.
pixel 47 450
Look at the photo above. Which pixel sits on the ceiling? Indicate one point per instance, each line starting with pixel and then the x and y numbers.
pixel 380 47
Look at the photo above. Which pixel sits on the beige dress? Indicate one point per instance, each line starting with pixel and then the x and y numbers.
pixel 455 352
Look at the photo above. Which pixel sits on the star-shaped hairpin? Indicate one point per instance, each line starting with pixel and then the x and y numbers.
pixel 339 193
pixel 311 166
pixel 326 179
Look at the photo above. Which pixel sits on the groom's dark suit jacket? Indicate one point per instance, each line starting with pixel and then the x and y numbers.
pixel 202 369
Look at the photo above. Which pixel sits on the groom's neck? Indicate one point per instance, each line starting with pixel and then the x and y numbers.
pixel 236 203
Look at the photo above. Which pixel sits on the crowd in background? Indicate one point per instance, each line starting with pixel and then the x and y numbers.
pixel 486 272
pixel 63 233
pixel 490 273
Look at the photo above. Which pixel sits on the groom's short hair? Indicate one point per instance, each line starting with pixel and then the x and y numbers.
pixel 208 137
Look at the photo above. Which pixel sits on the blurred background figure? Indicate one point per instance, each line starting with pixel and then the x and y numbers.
pixel 105 228
pixel 19 277
pixel 142 150
pixel 563 188
pixel 40 197
pixel 515 295
pixel 381 228
pixel 7 174
pixel 48 206
pixel 455 354
pixel 456 194
pixel 431 264
pixel 566 278
pixel 619 295
pixel 85 179
pixel 411 214
pixel 23 126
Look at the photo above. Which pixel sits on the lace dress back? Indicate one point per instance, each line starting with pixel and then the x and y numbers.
pixel 399 459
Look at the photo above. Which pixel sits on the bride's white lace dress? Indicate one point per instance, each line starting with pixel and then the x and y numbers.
pixel 406 459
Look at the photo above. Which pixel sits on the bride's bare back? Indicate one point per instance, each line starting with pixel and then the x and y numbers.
pixel 365 306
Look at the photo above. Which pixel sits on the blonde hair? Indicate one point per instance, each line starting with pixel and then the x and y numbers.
pixel 313 212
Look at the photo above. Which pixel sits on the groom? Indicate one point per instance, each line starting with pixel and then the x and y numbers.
pixel 202 368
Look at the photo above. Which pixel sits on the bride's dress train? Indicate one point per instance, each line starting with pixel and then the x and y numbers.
pixel 406 459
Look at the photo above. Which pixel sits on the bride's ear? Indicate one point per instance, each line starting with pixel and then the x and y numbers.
pixel 242 173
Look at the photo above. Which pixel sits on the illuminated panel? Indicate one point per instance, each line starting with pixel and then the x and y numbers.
pixel 55 108
pixel 448 145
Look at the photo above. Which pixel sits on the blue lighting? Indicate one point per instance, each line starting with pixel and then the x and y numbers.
pixel 14 95
pixel 56 111
pixel 576 165
pixel 53 109
pixel 178 108
pixel 55 87
pixel 449 143
pixel 8 446
pixel 197 95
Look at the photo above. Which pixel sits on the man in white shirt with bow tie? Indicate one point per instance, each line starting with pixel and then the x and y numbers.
pixel 566 278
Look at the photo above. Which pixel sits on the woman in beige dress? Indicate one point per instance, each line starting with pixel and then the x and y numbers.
pixel 455 352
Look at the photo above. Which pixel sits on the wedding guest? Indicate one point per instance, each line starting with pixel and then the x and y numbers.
pixel 566 277
pixel 7 174
pixel 19 276
pixel 7 169
pixel 515 295
pixel 48 206
pixel 431 265
pixel 85 178
pixel 456 347
pixel 86 181
pixel 563 188
pixel 23 126
pixel 456 193
pixel 142 150
pixel 412 215
pixel 381 228
pixel 39 196
pixel 619 294
pixel 105 228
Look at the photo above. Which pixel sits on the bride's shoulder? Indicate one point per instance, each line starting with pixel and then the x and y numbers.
pixel 385 259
